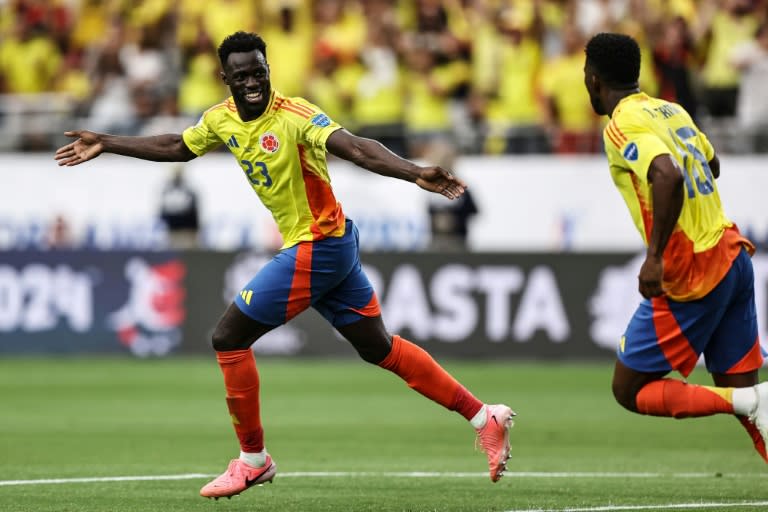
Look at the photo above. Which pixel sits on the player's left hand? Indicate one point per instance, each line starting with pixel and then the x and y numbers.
pixel 650 277
pixel 438 180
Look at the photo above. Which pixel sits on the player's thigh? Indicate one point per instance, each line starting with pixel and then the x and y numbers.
pixel 735 345
pixel 236 330
pixel 665 335
pixel 369 337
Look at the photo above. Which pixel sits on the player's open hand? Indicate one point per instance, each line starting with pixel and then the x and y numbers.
pixel 438 180
pixel 650 277
pixel 87 146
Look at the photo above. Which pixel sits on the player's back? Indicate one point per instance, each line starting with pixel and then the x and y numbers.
pixel 703 244
pixel 653 121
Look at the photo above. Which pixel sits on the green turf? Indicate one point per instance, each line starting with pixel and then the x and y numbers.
pixel 69 418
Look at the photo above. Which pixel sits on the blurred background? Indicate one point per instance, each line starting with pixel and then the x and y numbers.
pixel 539 258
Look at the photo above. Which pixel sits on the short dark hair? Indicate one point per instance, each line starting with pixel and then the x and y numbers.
pixel 241 42
pixel 615 58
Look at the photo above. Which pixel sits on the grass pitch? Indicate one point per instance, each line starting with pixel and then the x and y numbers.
pixel 348 436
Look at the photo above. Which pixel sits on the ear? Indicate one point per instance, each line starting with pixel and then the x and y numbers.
pixel 223 76
pixel 595 82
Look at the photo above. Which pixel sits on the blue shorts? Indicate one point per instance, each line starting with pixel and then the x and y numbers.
pixel 325 274
pixel 666 335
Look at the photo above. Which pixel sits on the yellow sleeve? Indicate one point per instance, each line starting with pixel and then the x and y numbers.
pixel 200 138
pixel 637 146
pixel 318 127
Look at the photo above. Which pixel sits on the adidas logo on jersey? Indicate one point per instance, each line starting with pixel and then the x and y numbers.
pixel 232 142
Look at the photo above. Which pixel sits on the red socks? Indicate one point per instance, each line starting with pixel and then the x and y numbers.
pixel 670 397
pixel 422 373
pixel 241 380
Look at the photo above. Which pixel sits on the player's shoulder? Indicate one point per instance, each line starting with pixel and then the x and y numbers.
pixel 299 110
pixel 219 110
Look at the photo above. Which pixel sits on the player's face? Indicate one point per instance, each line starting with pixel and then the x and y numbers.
pixel 592 83
pixel 247 75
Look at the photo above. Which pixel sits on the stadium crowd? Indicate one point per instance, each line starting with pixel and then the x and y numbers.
pixel 483 76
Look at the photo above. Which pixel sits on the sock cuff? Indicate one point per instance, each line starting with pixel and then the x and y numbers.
pixel 393 358
pixel 233 356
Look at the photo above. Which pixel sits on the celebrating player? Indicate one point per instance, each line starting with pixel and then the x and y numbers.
pixel 697 277
pixel 281 143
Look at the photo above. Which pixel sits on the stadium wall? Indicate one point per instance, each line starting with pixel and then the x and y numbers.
pixel 531 203
pixel 486 305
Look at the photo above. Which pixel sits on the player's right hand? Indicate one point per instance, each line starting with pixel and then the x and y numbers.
pixel 87 146
pixel 650 278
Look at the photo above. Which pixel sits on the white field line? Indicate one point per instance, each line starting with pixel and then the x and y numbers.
pixel 668 506
pixel 385 474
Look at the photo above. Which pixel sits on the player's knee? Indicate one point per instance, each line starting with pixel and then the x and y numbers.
pixel 625 396
pixel 373 355
pixel 222 341
pixel 218 342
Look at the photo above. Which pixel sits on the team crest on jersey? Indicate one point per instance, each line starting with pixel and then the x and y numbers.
pixel 269 142
pixel 321 120
pixel 631 152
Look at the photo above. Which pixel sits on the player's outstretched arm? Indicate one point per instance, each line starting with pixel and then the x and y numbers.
pixel 88 145
pixel 372 155
pixel 667 189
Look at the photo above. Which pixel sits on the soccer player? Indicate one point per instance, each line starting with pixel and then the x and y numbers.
pixel 280 143
pixel 697 277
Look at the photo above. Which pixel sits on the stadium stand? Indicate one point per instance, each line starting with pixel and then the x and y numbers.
pixel 491 76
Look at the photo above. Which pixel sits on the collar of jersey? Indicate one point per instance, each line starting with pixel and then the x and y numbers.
pixel 634 95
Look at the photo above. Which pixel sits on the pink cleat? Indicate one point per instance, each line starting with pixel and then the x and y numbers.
pixel 238 477
pixel 494 438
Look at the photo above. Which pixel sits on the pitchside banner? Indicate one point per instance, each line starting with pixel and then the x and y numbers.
pixel 529 306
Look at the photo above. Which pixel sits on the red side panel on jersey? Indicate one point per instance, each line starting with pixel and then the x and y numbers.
pixel 690 275
pixel 329 219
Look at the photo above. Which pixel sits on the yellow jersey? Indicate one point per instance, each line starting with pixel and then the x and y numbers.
pixel 282 153
pixel 704 242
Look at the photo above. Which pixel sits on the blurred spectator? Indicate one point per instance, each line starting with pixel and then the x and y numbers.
pixel 222 17
pixel 377 95
pixel 751 59
pixel 60 234
pixel 429 87
pixel 29 58
pixel 179 211
pixel 449 219
pixel 508 102
pixel 730 25
pixel 571 122
pixel 673 58
pixel 341 26
pixel 201 85
pixel 73 81
pixel 112 108
pixel 494 80
pixel 289 46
